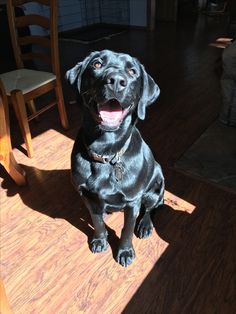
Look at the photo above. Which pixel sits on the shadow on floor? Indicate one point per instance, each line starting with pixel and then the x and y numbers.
pixel 51 193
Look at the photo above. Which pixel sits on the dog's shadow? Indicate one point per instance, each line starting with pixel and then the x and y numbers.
pixel 51 193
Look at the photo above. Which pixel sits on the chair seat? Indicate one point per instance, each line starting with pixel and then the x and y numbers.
pixel 25 80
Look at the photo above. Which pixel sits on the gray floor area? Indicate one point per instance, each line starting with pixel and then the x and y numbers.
pixel 213 156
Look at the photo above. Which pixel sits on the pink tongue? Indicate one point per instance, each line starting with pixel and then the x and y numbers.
pixel 110 113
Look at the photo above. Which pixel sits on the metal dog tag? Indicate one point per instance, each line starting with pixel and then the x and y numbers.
pixel 119 171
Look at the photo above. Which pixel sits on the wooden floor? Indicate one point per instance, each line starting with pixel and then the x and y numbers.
pixel 189 263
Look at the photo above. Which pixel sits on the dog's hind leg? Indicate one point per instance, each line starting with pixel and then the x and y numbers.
pixel 145 226
pixel 152 201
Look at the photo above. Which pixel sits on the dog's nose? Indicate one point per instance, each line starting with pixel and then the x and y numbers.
pixel 116 81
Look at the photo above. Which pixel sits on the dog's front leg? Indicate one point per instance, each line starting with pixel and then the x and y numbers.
pixel 99 241
pixel 126 253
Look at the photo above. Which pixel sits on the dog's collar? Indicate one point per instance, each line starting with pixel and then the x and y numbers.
pixel 107 158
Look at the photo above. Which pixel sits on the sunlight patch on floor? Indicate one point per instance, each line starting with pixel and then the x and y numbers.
pixel 178 203
pixel 45 147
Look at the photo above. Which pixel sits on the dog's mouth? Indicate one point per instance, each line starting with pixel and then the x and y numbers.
pixel 111 113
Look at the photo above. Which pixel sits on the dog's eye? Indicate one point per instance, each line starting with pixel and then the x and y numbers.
pixel 131 71
pixel 97 64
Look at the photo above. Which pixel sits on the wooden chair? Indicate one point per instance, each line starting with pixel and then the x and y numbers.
pixel 4 304
pixel 23 85
pixel 7 159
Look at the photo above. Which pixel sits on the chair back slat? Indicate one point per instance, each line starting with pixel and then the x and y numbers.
pixel 32 19
pixel 37 40
pixel 21 2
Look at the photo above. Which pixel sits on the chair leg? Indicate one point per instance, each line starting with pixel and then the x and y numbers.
pixel 4 304
pixel 13 169
pixel 20 110
pixel 61 105
pixel 16 172
pixel 7 159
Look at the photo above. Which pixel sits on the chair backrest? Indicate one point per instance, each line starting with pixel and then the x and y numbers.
pixel 49 43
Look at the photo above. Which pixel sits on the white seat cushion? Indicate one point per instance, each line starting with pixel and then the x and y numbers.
pixel 24 79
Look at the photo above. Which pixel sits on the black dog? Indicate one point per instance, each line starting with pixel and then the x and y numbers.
pixel 112 166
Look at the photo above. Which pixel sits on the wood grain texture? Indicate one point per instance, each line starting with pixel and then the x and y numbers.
pixel 188 265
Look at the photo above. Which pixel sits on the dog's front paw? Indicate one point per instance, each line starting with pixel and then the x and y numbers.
pixel 125 256
pixel 98 245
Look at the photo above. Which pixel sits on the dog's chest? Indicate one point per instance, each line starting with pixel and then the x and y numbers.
pixel 111 183
pixel 108 176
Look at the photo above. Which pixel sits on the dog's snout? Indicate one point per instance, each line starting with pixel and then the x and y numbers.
pixel 116 81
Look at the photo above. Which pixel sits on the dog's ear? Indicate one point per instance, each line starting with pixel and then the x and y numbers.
pixel 75 73
pixel 72 74
pixel 149 93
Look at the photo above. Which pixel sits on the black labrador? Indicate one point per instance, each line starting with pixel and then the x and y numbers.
pixel 112 167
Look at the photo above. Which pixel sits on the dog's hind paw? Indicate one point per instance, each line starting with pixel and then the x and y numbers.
pixel 125 256
pixel 98 245
pixel 145 228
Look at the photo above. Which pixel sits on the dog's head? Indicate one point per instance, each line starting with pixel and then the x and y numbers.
pixel 113 85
